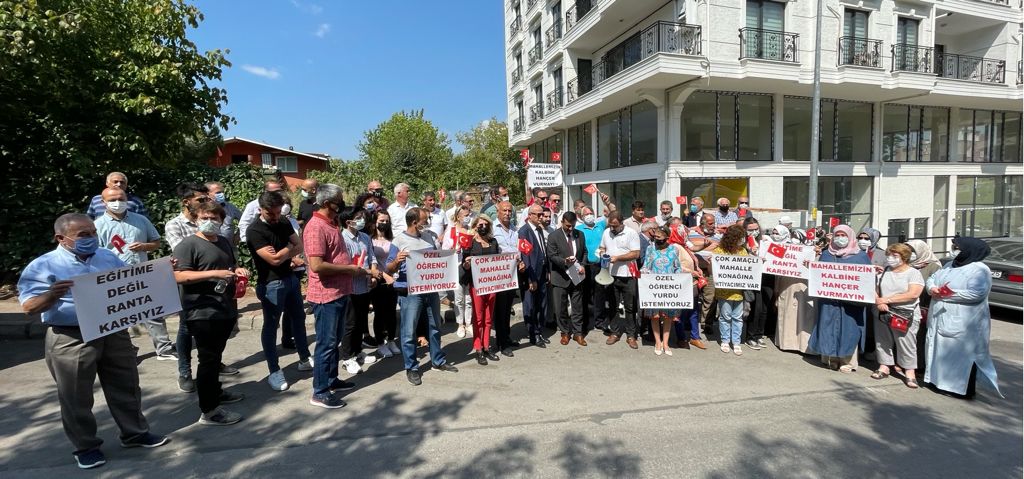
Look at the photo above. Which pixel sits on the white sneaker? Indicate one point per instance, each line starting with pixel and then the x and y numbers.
pixel 725 347
pixel 461 332
pixel 385 351
pixel 306 365
pixel 469 331
pixel 737 350
pixel 351 365
pixel 277 381
pixel 668 352
pixel 394 348
pixel 366 358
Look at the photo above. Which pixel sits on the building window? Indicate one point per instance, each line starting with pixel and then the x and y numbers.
pixel 986 136
pixel 236 159
pixel 912 133
pixel 578 159
pixel 626 192
pixel 988 206
pixel 628 137
pixel 711 189
pixel 267 159
pixel 848 198
pixel 940 213
pixel 288 164
pixel 727 126
pixel 846 130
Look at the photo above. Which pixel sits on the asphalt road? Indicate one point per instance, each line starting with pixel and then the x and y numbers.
pixel 563 411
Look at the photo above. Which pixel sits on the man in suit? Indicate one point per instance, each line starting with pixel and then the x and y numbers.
pixel 567 250
pixel 533 284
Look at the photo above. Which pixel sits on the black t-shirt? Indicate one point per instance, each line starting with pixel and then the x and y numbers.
pixel 262 234
pixel 306 210
pixel 200 300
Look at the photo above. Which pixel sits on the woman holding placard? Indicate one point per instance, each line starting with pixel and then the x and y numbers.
pixel 456 239
pixel 483 304
pixel 796 310
pixel 662 258
pixel 730 301
pixel 839 331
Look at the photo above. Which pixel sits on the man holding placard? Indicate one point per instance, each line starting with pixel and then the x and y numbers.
pixel 567 252
pixel 75 363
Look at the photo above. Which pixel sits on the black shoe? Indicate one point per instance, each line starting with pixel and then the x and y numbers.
pixel 507 352
pixel 543 339
pixel 340 385
pixel 414 377
pixel 228 397
pixel 226 370
pixel 186 384
pixel 447 367
pixel 513 344
pixel 481 359
pixel 539 342
pixel 490 355
pixel 288 344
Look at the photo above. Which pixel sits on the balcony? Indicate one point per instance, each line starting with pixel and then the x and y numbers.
pixel 553 33
pixel 518 125
pixel 534 54
pixel 912 58
pixel 861 52
pixel 769 45
pixel 554 100
pixel 963 67
pixel 517 75
pixel 576 13
pixel 530 4
pixel 537 112
pixel 515 27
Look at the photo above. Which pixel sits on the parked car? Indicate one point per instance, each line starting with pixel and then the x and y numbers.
pixel 1007 264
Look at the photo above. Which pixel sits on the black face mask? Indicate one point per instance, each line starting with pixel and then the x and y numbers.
pixel 383 227
pixel 723 209
pixel 483 230
pixel 660 242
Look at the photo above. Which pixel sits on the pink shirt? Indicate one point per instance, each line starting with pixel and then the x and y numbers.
pixel 322 238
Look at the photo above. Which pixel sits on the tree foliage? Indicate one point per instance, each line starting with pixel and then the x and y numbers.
pixel 487 158
pixel 90 86
pixel 406 148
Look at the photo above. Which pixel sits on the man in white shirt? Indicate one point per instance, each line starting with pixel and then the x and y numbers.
pixel 252 210
pixel 436 220
pixel 623 246
pixel 398 209
pixel 664 213
pixel 508 240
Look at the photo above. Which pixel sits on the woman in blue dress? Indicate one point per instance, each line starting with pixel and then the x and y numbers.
pixel 839 332
pixel 662 258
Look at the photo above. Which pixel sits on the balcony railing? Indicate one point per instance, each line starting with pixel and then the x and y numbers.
pixel 553 33
pixel 515 27
pixel 534 54
pixel 554 100
pixel 963 67
pixel 769 45
pixel 576 13
pixel 912 58
pixel 1000 2
pixel 862 52
pixel 530 4
pixel 517 75
pixel 536 112
pixel 518 125
pixel 660 37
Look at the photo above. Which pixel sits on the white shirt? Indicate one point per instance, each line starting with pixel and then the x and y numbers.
pixel 252 211
pixel 624 242
pixel 437 222
pixel 397 214
pixel 507 238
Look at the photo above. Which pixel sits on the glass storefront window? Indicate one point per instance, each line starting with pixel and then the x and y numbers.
pixel 608 141
pixel 755 113
pixel 628 137
pixel 989 206
pixel 727 126
pixel 849 198
pixel 796 129
pixel 913 133
pixel 643 137
pixel 710 189
pixel 699 127
pixel 985 136
pixel 577 152
pixel 626 192
pixel 845 130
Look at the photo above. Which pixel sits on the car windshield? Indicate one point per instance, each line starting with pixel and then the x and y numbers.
pixel 1010 250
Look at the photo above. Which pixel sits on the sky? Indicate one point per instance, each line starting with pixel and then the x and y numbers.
pixel 315 75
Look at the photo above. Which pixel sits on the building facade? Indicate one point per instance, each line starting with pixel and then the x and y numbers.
pixel 920 117
pixel 293 165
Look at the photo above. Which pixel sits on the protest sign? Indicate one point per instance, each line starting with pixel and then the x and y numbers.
pixel 666 291
pixel 783 259
pixel 111 301
pixel 495 272
pixel 430 271
pixel 845 282
pixel 544 175
pixel 736 272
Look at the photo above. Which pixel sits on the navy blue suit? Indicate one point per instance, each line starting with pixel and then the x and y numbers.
pixel 535 302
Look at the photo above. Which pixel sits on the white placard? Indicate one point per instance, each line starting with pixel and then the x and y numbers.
pixel 791 264
pixel 575 272
pixel 114 300
pixel 666 291
pixel 845 282
pixel 431 271
pixel 736 272
pixel 544 175
pixel 494 273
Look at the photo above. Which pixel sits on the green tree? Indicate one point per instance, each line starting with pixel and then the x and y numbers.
pixel 487 158
pixel 406 148
pixel 90 86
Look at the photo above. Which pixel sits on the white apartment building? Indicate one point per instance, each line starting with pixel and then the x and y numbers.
pixel 653 99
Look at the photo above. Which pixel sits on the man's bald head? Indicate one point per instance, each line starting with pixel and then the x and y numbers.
pixel 272 186
pixel 113 194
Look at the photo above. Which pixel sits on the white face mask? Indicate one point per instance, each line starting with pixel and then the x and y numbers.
pixel 744 206
pixel 841 241
pixel 360 224
pixel 893 261
pixel 753 233
pixel 117 207
pixel 209 227
pixel 465 221
pixel 504 198
pixel 666 216
pixel 778 238
pixel 954 253
pixel 304 193
pixel 589 220
pixel 864 244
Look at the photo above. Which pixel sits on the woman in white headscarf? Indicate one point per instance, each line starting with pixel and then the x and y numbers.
pixel 796 309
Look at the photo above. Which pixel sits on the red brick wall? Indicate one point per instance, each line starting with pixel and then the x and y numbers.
pixel 255 152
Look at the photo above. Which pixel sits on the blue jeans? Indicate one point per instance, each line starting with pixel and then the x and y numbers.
pixel 282 297
pixel 689 317
pixel 329 319
pixel 183 343
pixel 730 321
pixel 411 307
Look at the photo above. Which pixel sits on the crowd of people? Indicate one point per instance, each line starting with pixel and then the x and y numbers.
pixel 353 257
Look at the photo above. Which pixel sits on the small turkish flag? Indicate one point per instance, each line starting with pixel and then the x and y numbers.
pixel 777 250
pixel 590 189
pixel 525 247
pixel 633 270
pixel 751 242
pixel 556 157
pixel 681 200
pixel 833 221
pixel 118 242
pixel 465 241
pixel 524 153
pixel 810 233
pixel 945 292
pixel 441 195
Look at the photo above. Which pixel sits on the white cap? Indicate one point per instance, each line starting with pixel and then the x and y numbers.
pixel 785 220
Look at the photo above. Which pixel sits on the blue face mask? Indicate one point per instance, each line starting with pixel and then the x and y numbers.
pixel 86 246
pixel 220 197
pixel 693 208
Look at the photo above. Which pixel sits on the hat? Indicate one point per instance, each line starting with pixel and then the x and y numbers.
pixel 785 220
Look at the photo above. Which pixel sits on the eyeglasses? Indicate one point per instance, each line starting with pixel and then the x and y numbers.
pixel 542 198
